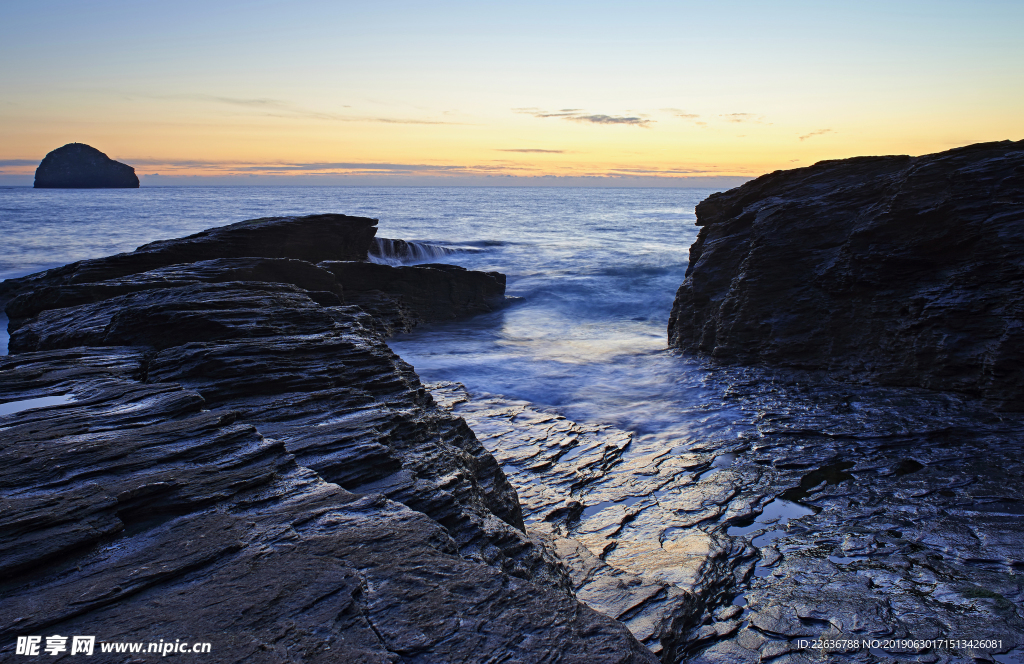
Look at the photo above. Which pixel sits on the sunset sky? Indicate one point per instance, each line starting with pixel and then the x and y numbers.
pixel 390 92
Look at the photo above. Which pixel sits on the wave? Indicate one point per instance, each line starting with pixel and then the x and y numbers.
pixel 398 252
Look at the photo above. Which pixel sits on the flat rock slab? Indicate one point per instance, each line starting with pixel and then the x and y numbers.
pixel 822 510
pixel 598 512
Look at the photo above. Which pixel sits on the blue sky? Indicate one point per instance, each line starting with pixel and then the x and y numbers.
pixel 723 89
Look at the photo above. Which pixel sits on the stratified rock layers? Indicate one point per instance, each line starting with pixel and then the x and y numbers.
pixel 241 460
pixel 81 166
pixel 898 270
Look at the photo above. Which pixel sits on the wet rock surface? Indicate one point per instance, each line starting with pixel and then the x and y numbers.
pixel 310 238
pixel 898 519
pixel 804 509
pixel 894 270
pixel 876 513
pixel 230 433
pixel 566 473
pixel 432 292
pixel 81 166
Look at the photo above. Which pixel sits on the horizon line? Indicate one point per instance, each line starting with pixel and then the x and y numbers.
pixel 17 181
pixel 368 186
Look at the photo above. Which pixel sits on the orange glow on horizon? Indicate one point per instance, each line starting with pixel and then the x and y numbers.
pixel 569 90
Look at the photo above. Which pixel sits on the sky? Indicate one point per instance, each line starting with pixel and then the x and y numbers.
pixel 486 93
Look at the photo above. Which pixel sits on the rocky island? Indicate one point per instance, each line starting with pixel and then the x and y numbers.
pixel 81 166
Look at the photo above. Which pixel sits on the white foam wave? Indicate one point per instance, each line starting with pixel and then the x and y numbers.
pixel 399 252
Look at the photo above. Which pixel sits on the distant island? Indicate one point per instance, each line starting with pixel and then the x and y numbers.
pixel 81 166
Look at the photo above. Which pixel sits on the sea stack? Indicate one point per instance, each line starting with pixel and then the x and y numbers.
pixel 894 270
pixel 81 166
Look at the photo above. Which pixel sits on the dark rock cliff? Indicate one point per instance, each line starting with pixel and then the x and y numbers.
pixel 897 270
pixel 80 166
pixel 239 458
pixel 312 238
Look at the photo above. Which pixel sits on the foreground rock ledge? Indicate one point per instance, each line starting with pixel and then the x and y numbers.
pixel 230 453
pixel 896 270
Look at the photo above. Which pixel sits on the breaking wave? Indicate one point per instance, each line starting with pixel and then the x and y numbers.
pixel 399 252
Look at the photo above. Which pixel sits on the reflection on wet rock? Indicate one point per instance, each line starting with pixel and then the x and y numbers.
pixel 826 511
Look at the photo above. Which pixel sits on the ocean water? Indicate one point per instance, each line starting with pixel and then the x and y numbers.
pixel 592 272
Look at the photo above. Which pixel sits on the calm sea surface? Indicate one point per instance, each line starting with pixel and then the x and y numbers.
pixel 595 271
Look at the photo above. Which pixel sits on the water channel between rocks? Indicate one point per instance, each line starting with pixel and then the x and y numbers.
pixel 789 506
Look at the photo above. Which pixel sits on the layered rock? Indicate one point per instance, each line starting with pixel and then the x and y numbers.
pixel 232 433
pixel 81 166
pixel 433 292
pixel 621 527
pixel 311 238
pixel 897 270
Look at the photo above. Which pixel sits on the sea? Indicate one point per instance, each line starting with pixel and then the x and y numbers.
pixel 591 277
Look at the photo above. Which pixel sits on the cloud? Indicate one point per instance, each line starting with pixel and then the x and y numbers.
pixel 404 172
pixel 401 121
pixel 531 150
pixel 579 115
pixel 269 107
pixel 663 171
pixel 278 108
pixel 683 115
pixel 233 101
pixel 613 119
pixel 347 166
pixel 741 117
pixel 815 133
pixel 173 167
pixel 18 166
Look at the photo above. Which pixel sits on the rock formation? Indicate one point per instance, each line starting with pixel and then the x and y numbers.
pixel 895 270
pixel 434 291
pixel 80 166
pixel 239 458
